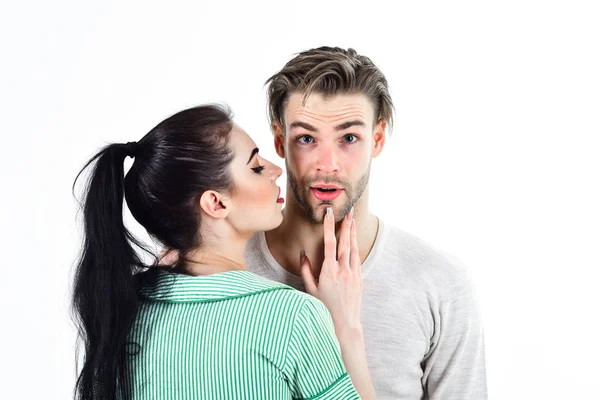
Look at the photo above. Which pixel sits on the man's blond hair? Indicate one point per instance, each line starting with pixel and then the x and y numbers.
pixel 329 71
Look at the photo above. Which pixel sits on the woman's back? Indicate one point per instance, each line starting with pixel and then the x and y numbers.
pixel 199 188
pixel 232 335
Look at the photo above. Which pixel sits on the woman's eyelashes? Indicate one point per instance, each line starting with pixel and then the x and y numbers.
pixel 258 169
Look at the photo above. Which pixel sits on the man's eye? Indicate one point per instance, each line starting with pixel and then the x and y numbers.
pixel 350 138
pixel 258 169
pixel 302 140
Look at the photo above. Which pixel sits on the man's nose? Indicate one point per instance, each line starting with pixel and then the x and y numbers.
pixel 327 161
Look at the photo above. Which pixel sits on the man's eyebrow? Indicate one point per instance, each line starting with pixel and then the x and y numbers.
pixel 298 124
pixel 252 155
pixel 349 124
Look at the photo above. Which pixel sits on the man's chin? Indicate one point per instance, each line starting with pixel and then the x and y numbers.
pixel 320 210
pixel 316 212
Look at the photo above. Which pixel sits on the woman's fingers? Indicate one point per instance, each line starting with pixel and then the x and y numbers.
pixel 329 238
pixel 354 256
pixel 307 276
pixel 344 244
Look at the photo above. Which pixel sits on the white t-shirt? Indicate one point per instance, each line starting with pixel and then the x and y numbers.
pixel 422 327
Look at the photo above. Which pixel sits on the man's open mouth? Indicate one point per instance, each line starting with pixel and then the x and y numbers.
pixel 326 192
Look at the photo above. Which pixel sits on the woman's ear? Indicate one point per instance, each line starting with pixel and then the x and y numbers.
pixel 214 204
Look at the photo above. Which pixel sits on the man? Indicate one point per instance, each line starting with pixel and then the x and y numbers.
pixel 330 109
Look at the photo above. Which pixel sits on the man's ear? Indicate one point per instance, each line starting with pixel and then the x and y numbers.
pixel 214 204
pixel 379 137
pixel 278 139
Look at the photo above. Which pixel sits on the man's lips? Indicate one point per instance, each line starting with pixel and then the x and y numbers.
pixel 325 186
pixel 330 192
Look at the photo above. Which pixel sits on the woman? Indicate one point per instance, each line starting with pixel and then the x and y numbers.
pixel 205 328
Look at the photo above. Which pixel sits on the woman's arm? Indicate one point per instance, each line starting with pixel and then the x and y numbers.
pixel 339 287
pixel 355 361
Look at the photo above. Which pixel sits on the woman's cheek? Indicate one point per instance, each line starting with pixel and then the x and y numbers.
pixel 255 196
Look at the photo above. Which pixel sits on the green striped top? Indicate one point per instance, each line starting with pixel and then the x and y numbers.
pixel 232 335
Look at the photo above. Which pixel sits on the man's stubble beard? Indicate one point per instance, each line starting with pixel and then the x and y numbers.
pixel 353 194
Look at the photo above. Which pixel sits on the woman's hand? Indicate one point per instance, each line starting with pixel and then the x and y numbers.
pixel 339 285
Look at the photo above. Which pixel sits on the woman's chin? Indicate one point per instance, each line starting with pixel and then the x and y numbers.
pixel 277 221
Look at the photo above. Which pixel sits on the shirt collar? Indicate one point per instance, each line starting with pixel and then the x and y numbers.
pixel 280 273
pixel 159 285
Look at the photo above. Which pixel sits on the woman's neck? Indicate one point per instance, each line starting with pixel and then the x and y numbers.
pixel 223 255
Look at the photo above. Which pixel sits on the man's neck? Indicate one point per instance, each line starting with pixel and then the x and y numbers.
pixel 297 233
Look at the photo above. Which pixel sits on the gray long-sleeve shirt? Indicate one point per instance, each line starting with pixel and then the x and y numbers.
pixel 422 328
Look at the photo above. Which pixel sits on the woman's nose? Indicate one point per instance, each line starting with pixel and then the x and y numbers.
pixel 275 172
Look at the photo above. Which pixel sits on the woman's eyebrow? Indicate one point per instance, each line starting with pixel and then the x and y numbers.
pixel 252 155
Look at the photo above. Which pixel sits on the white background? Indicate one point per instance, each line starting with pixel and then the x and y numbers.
pixel 494 156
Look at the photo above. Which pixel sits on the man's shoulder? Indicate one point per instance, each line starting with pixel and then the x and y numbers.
pixel 420 261
pixel 254 241
pixel 254 256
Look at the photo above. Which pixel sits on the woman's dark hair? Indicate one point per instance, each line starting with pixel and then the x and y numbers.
pixel 175 163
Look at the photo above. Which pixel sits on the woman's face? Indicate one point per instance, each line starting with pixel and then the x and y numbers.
pixel 255 199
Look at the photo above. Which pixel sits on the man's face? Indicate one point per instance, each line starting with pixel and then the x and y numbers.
pixel 328 144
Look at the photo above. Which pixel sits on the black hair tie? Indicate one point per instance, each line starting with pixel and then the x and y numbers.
pixel 131 149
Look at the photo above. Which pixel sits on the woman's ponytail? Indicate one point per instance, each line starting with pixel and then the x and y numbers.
pixel 105 295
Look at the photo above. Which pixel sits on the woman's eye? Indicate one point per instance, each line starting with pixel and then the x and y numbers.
pixel 258 169
pixel 301 139
pixel 349 138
